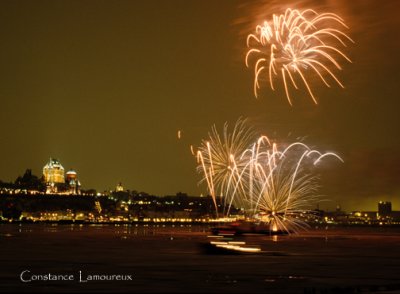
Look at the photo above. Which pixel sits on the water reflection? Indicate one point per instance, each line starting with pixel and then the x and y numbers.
pixel 117 229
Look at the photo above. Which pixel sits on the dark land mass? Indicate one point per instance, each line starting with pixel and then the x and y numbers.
pixel 12 206
pixel 169 259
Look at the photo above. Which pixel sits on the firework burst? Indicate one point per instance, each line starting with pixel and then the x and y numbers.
pixel 295 43
pixel 217 158
pixel 268 182
pixel 283 186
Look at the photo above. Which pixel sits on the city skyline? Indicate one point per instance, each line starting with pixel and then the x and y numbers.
pixel 107 90
pixel 120 188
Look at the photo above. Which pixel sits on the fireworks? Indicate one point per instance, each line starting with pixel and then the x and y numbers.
pixel 218 160
pixel 269 182
pixel 294 44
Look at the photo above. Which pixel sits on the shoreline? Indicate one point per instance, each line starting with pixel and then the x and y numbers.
pixel 179 222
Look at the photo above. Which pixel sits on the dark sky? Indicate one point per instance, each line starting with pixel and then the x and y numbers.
pixel 104 86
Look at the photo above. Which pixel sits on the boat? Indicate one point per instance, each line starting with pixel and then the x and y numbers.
pixel 229 247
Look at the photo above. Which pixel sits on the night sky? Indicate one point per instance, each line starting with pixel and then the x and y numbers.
pixel 104 86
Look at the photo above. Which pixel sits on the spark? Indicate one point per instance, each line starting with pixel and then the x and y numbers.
pixel 272 183
pixel 295 43
pixel 217 159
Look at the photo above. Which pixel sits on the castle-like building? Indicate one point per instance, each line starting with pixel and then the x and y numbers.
pixel 57 182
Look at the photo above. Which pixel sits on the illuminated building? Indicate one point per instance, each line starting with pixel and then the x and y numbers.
pixel 57 182
pixel 119 188
pixel 74 186
pixel 53 174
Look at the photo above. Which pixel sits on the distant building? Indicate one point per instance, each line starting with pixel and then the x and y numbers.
pixel 73 183
pixel 363 217
pixel 53 174
pixel 59 183
pixel 119 188
pixel 384 208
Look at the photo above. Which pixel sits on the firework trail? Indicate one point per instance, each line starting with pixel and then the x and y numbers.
pixel 283 184
pixel 294 43
pixel 271 183
pixel 217 158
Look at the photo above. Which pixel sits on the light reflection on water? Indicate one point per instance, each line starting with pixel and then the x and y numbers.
pixel 126 231
pixel 117 229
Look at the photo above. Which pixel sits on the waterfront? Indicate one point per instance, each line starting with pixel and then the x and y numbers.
pixel 169 259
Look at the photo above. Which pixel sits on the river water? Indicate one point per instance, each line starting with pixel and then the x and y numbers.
pixel 170 259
